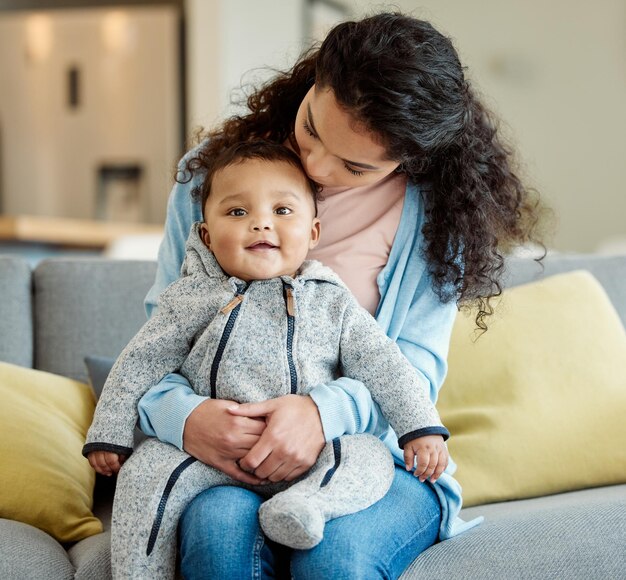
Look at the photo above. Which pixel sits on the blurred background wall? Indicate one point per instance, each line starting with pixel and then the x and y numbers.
pixel 555 72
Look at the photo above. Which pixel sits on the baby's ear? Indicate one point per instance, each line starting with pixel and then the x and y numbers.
pixel 204 234
pixel 316 230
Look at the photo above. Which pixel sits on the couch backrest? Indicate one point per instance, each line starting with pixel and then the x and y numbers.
pixel 94 306
pixel 610 271
pixel 16 329
pixel 86 307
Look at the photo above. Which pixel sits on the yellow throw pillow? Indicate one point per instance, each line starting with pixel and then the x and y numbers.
pixel 537 405
pixel 44 479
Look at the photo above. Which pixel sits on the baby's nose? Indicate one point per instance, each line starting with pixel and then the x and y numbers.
pixel 262 224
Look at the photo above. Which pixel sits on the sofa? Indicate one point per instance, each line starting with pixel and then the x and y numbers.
pixel 54 316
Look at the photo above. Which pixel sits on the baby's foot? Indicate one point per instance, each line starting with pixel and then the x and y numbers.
pixel 292 521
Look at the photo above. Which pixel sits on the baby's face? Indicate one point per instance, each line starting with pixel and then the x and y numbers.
pixel 259 219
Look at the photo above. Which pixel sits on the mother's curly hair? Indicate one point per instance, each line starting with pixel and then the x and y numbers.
pixel 402 79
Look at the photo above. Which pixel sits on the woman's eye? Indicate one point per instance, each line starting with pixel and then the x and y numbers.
pixel 353 171
pixel 237 212
pixel 283 211
pixel 308 130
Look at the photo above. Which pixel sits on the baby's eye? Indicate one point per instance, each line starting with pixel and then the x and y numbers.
pixel 283 211
pixel 237 212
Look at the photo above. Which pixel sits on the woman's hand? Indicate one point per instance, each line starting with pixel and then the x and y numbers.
pixel 291 442
pixel 219 438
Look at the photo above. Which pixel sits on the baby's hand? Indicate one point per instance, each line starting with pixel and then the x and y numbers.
pixel 432 457
pixel 106 462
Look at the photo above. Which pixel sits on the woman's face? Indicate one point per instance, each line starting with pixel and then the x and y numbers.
pixel 336 151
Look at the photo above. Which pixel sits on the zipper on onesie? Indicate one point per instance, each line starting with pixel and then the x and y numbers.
pixel 291 318
pixel 158 518
pixel 231 308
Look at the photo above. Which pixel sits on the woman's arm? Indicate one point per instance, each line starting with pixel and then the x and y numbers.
pixel 164 409
pixel 295 427
pixel 182 211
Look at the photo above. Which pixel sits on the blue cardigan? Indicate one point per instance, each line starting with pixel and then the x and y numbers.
pixel 409 312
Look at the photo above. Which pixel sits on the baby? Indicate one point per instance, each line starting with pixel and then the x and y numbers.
pixel 251 319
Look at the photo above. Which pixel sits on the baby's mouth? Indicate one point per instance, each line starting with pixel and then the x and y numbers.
pixel 262 245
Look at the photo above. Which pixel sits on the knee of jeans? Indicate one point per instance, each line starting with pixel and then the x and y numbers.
pixel 219 510
pixel 329 561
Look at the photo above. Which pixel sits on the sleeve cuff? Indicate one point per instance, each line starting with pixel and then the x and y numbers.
pixel 339 416
pixel 422 433
pixel 163 412
pixel 119 449
pixel 346 407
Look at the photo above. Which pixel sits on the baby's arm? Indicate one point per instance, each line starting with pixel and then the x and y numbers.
pixel 369 356
pixel 106 462
pixel 159 348
pixel 431 454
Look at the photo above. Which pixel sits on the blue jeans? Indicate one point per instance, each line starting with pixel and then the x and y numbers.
pixel 220 537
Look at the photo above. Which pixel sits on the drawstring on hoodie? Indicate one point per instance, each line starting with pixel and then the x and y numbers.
pixel 290 309
pixel 238 299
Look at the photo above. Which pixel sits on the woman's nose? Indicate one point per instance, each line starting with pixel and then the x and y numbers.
pixel 317 163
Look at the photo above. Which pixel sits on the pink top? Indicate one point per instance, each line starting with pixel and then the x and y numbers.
pixel 357 247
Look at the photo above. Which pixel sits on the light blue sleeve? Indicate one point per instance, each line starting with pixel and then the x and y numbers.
pixel 164 409
pixel 182 212
pixel 346 405
pixel 424 337
pixel 411 314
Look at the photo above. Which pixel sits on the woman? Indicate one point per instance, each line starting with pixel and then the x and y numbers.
pixel 419 202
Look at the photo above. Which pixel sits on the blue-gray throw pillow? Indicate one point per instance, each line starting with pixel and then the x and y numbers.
pixel 98 369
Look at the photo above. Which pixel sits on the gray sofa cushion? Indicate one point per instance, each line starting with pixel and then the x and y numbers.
pixel 577 535
pixel 16 336
pixel 91 557
pixel 30 554
pixel 87 307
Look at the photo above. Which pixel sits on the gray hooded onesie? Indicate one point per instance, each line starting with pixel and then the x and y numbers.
pixel 250 342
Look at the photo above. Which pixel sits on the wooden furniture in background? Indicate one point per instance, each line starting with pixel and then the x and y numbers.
pixel 70 233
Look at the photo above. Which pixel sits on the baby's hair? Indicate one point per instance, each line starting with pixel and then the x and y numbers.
pixel 258 149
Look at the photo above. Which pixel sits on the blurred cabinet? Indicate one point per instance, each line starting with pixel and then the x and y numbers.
pixel 79 88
